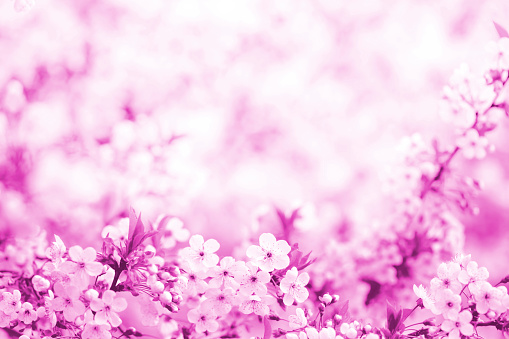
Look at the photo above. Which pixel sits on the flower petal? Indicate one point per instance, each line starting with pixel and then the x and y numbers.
pixel 76 254
pixel 267 241
pixel 211 246
pixel 254 252
pixel 196 242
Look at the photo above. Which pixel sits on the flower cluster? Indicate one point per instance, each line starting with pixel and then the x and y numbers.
pixel 160 277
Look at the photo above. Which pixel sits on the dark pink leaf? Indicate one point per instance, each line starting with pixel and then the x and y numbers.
pixel 502 32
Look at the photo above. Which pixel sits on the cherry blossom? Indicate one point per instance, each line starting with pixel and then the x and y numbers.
pixel 27 313
pixel 472 145
pixel 83 263
pixel 447 303
pixel 107 307
pixel 173 231
pixel 271 254
pixel 67 300
pixel 459 323
pixel 11 302
pixel 57 250
pixel 257 305
pixel 447 277
pixel 294 286
pixel 422 293
pixel 118 233
pixel 94 330
pixel 473 275
pixel 253 280
pixel 203 319
pixel 225 273
pixel 299 320
pixel 219 301
pixel 200 254
pixel 488 297
pixel 5 319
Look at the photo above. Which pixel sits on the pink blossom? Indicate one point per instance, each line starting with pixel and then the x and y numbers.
pixel 488 297
pixel 447 277
pixel 173 231
pixel 447 303
pixel 200 254
pixel 271 254
pixel 204 320
pixel 473 274
pixel 11 302
pixel 57 250
pixel 68 301
pixel 472 145
pixel 83 263
pixel 253 280
pixel 225 273
pixel 457 324
pixel 299 320
pixel 294 286
pixel 107 307
pixel 94 330
pixel 27 313
pixel 219 301
pixel 423 294
pixel 257 305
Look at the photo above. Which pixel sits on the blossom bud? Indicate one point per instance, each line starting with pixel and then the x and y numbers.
pixel 335 298
pixel 157 260
pixel 321 308
pixel 356 324
pixel 165 276
pixel 172 308
pixel 153 269
pixel 91 294
pixel 41 284
pixel 491 314
pixel 274 317
pixel 351 333
pixel 368 328
pixel 326 298
pixel 329 323
pixel 433 330
pixel 174 270
pixel 429 322
pixel 149 251
pixel 337 319
pixel 166 297
pixel 157 287
pixel 177 299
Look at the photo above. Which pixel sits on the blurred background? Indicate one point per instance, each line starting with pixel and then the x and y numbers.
pixel 219 111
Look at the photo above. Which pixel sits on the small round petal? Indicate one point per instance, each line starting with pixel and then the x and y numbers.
pixel 210 260
pixel 119 304
pixel 76 253
pixel 281 262
pixel 211 246
pixel 303 279
pixel 267 241
pixel 196 242
pixel 254 251
pixel 94 268
pixel 89 254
